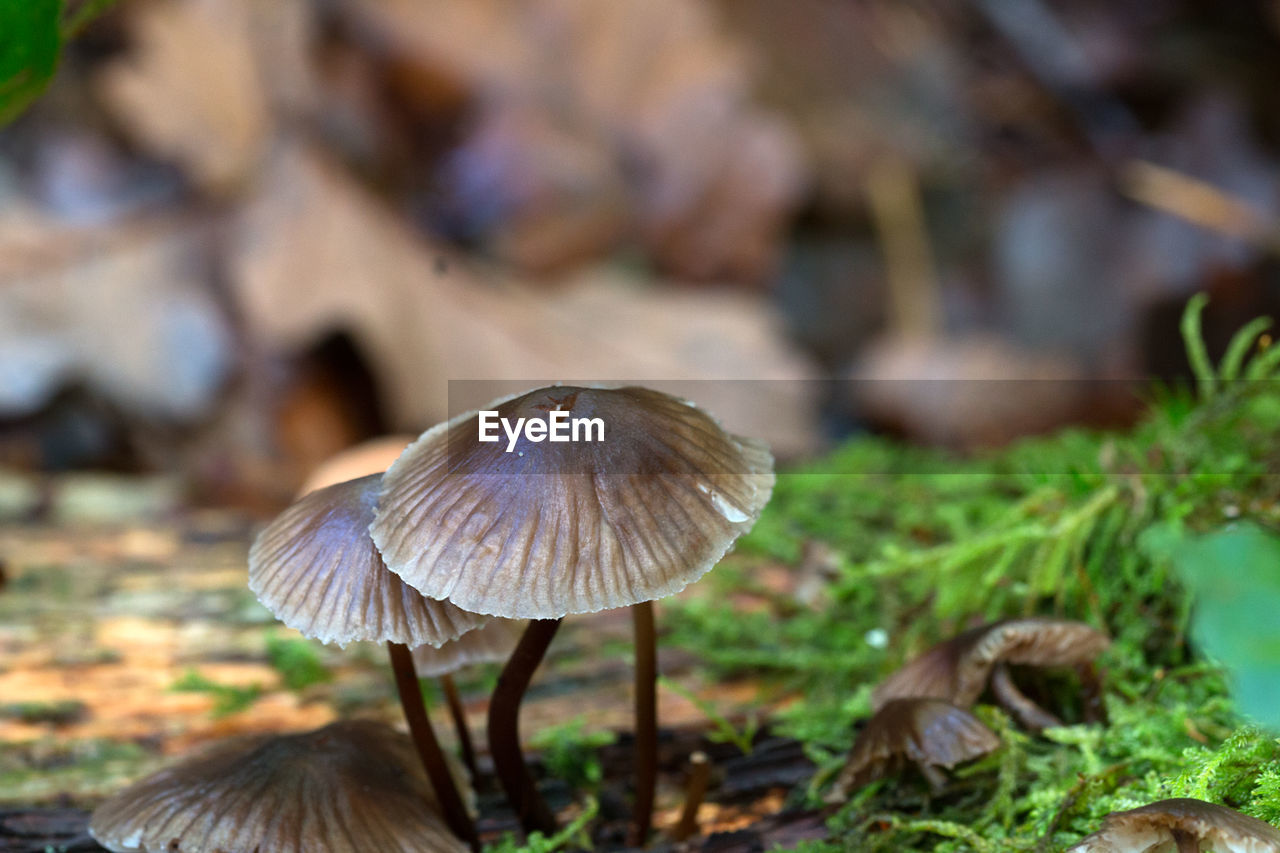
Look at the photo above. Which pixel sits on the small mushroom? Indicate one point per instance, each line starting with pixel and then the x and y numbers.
pixel 317 570
pixel 349 787
pixel 931 733
pixel 493 642
pixel 570 527
pixel 1181 825
pixel 960 668
pixel 369 457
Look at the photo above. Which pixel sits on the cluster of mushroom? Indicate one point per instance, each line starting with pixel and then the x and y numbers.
pixel 921 717
pixel 460 532
pixel 921 711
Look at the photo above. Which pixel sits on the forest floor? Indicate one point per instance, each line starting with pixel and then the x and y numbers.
pixel 128 637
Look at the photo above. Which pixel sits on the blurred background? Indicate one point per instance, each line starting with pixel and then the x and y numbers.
pixel 237 236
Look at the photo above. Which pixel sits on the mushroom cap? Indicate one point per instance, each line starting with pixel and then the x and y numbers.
pixel 316 569
pixel 350 786
pixel 957 669
pixel 930 732
pixel 493 641
pixel 570 527
pixel 1151 827
pixel 369 457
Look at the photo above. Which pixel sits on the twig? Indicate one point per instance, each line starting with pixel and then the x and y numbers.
pixel 695 790
pixel 894 197
pixel 1200 203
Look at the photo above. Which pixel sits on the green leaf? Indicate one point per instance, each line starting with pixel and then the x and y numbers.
pixel 30 39
pixel 1234 575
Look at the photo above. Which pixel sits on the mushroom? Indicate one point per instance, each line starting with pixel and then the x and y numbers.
pixel 959 669
pixel 360 460
pixel 316 569
pixel 560 528
pixel 490 643
pixel 349 787
pixel 931 733
pixel 493 642
pixel 1181 825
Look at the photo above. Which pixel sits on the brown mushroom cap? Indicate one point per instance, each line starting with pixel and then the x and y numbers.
pixel 349 787
pixel 930 732
pixel 316 569
pixel 370 457
pixel 559 528
pixel 1155 827
pixel 494 641
pixel 958 669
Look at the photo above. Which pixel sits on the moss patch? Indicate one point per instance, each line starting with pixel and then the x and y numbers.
pixel 1081 525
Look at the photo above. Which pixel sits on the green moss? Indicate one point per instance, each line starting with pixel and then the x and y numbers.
pixel 1080 525
pixel 570 752
pixel 297 661
pixel 58 713
pixel 41 771
pixel 228 698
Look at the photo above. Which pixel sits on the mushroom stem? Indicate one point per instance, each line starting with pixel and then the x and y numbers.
pixel 504 728
pixel 936 778
pixel 424 739
pixel 646 755
pixel 459 715
pixel 1187 843
pixel 1031 715
pixel 1095 709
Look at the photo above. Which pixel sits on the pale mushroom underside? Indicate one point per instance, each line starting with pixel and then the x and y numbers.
pixel 494 641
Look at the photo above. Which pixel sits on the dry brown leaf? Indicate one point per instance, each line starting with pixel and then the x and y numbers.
pixel 314 254
pixel 193 91
pixel 657 83
pixel 127 309
pixel 965 392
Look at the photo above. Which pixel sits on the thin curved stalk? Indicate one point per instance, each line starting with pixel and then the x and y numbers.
pixel 459 715
pixel 1013 700
pixel 646 755
pixel 504 728
pixel 424 739
pixel 1187 843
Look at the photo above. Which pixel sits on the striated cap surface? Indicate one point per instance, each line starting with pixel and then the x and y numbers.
pixel 317 570
pixel 556 528
pixel 350 787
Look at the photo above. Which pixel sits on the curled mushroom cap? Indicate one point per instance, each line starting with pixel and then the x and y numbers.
pixel 349 787
pixel 494 641
pixel 570 527
pixel 1181 825
pixel 317 570
pixel 958 669
pixel 929 732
